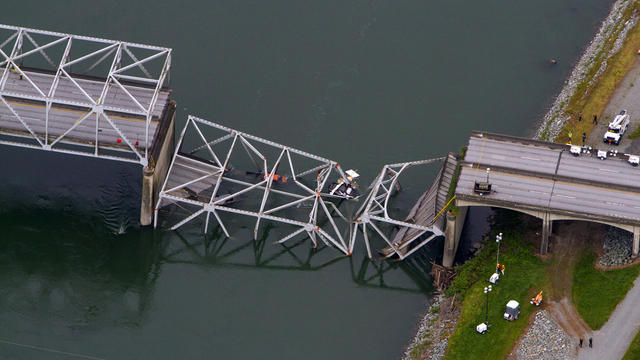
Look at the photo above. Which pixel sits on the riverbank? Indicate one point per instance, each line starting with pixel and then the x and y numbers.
pixel 595 76
pixel 587 91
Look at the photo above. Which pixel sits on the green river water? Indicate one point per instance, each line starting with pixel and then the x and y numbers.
pixel 362 82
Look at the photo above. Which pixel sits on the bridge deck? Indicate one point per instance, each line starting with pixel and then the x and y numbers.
pixel 433 200
pixel 543 176
pixel 70 106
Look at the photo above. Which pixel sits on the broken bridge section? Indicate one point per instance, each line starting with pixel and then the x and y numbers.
pixel 208 177
pixel 407 235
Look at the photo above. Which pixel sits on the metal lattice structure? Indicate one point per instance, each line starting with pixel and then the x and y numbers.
pixel 375 210
pixel 107 106
pixel 289 185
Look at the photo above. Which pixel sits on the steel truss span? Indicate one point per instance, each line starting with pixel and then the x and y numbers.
pixel 374 212
pixel 81 95
pixel 208 178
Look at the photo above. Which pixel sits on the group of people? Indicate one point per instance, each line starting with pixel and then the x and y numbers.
pixel 590 342
pixel 500 268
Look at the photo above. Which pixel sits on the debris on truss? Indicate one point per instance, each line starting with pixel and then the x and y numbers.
pixel 209 176
pixel 81 95
pixel 424 217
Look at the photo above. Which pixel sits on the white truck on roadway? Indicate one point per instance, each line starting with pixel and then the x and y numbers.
pixel 616 128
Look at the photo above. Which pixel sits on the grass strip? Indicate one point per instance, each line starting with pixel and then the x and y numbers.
pixel 524 275
pixel 596 293
pixel 593 99
pixel 633 352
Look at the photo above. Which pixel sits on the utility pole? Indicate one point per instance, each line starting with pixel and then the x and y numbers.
pixel 487 290
pixel 498 239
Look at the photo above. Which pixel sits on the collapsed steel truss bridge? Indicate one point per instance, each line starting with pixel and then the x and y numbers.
pixel 203 180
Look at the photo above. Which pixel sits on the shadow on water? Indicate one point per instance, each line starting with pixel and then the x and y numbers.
pixel 217 251
pixel 87 274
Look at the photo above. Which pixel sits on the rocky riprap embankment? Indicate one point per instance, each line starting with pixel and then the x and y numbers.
pixel 545 340
pixel 617 248
pixel 555 119
pixel 433 334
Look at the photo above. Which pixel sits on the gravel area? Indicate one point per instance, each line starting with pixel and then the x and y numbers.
pixel 545 340
pixel 432 336
pixel 555 118
pixel 617 248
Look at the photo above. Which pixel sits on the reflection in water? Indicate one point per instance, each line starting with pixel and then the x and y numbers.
pixel 79 275
pixel 216 250
pixel 82 276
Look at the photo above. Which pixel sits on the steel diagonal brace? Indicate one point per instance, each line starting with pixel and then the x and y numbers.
pixel 187 219
pixel 213 154
pixel 113 125
pixel 266 192
pixel 78 122
pixel 41 50
pixel 16 46
pixel 26 126
pixel 135 59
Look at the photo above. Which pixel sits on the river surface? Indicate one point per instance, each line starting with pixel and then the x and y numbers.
pixel 362 82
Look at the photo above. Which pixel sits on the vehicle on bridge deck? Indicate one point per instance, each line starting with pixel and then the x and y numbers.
pixel 617 128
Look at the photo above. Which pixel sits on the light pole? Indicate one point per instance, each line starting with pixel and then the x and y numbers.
pixel 487 290
pixel 498 238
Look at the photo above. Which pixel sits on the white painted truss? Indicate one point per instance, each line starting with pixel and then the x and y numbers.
pixel 106 106
pixel 374 212
pixel 289 186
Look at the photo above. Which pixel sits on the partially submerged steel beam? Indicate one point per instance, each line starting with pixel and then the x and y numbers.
pixel 203 181
pixel 375 210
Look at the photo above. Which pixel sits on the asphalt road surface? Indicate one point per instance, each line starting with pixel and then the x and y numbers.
pixel 613 339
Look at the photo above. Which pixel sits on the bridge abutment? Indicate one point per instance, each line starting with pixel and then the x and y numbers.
pixel 453 229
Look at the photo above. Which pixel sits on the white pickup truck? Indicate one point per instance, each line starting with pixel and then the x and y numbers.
pixel 616 128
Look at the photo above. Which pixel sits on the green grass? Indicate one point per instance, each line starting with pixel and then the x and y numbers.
pixel 524 275
pixel 593 99
pixel 633 352
pixel 596 293
pixel 635 134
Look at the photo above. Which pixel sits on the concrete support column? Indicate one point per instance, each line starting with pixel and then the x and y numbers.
pixel 448 254
pixel 453 229
pixel 547 226
pixel 636 240
pixel 146 206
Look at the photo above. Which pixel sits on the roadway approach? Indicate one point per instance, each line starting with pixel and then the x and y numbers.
pixel 549 182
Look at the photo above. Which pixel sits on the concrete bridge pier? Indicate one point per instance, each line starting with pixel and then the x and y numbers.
pixel 155 173
pixel 453 229
pixel 547 228
pixel 636 240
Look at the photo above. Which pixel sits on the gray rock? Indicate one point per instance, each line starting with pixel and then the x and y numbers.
pixel 545 340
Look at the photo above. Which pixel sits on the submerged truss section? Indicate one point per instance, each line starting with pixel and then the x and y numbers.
pixel 81 95
pixel 208 177
pixel 373 215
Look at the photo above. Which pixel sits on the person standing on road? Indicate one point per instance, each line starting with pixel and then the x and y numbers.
pixel 590 342
pixel 584 138
pixel 595 119
pixel 580 342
